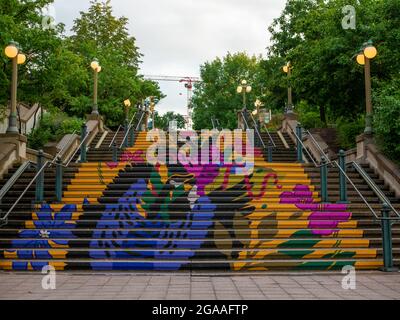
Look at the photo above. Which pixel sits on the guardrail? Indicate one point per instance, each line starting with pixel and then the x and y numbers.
pixel 385 218
pixel 255 127
pixel 128 130
pixel 41 168
pixel 115 136
pixel 17 174
pixel 80 147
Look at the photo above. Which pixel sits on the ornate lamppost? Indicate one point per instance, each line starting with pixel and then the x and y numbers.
pixel 367 53
pixel 96 70
pixel 13 52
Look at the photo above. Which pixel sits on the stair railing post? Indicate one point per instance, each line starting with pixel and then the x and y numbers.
pixel 324 180
pixel 269 151
pixel 126 136
pixel 299 132
pixel 114 152
pixel 387 240
pixel 59 179
pixel 131 137
pixel 40 179
pixel 342 177
pixel 83 146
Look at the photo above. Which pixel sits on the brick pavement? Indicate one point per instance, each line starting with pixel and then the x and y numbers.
pixel 185 286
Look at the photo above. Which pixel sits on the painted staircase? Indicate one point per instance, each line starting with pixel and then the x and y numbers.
pixel 130 215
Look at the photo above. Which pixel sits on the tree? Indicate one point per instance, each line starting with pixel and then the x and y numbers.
pixel 387 113
pixel 99 34
pixel 310 35
pixel 162 122
pixel 21 21
pixel 216 95
pixel 57 73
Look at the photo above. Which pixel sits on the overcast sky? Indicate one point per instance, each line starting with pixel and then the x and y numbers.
pixel 177 36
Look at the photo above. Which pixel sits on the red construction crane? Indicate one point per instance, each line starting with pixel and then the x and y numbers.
pixel 188 82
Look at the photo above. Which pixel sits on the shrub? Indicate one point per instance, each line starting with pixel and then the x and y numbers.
pixel 387 125
pixel 348 130
pixel 276 122
pixel 53 126
pixel 310 120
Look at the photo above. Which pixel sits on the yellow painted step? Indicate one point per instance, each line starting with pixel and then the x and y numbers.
pixel 89 181
pixel 288 224
pixel 272 207
pixel 324 243
pixel 93 185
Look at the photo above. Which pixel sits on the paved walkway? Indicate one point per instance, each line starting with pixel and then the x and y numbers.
pixel 185 286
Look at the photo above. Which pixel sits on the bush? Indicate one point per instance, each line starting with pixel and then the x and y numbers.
pixel 387 125
pixel 276 122
pixel 53 126
pixel 348 130
pixel 310 120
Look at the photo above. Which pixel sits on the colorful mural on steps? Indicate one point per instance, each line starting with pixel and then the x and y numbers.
pixel 169 217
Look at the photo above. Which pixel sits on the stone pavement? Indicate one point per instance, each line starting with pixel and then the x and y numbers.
pixel 185 286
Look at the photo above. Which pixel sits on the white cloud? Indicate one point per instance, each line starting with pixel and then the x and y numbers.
pixel 177 36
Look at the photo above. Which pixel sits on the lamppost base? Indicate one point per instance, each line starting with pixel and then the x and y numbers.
pixel 368 125
pixel 12 130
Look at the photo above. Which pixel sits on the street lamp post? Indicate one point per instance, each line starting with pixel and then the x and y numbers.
pixel 96 69
pixel 153 112
pixel 258 104
pixel 288 69
pixel 367 52
pixel 243 88
pixel 12 51
pixel 127 104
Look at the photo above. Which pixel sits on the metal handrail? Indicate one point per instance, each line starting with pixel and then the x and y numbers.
pixel 17 174
pixel 115 136
pixel 76 151
pixel 304 148
pixel 257 131
pixel 269 135
pixel 248 127
pixel 356 189
pixel 45 165
pixel 25 191
pixel 213 123
pixel 218 124
pixel 374 187
pixel 364 175
pixel 65 146
pixel 129 127
pixel 315 142
pixel 140 121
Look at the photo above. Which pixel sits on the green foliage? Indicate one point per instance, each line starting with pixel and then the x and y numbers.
pixel 310 35
pixel 162 122
pixel 386 119
pixel 53 126
pixel 216 96
pixel 311 120
pixel 348 130
pixel 57 72
pixel 276 122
